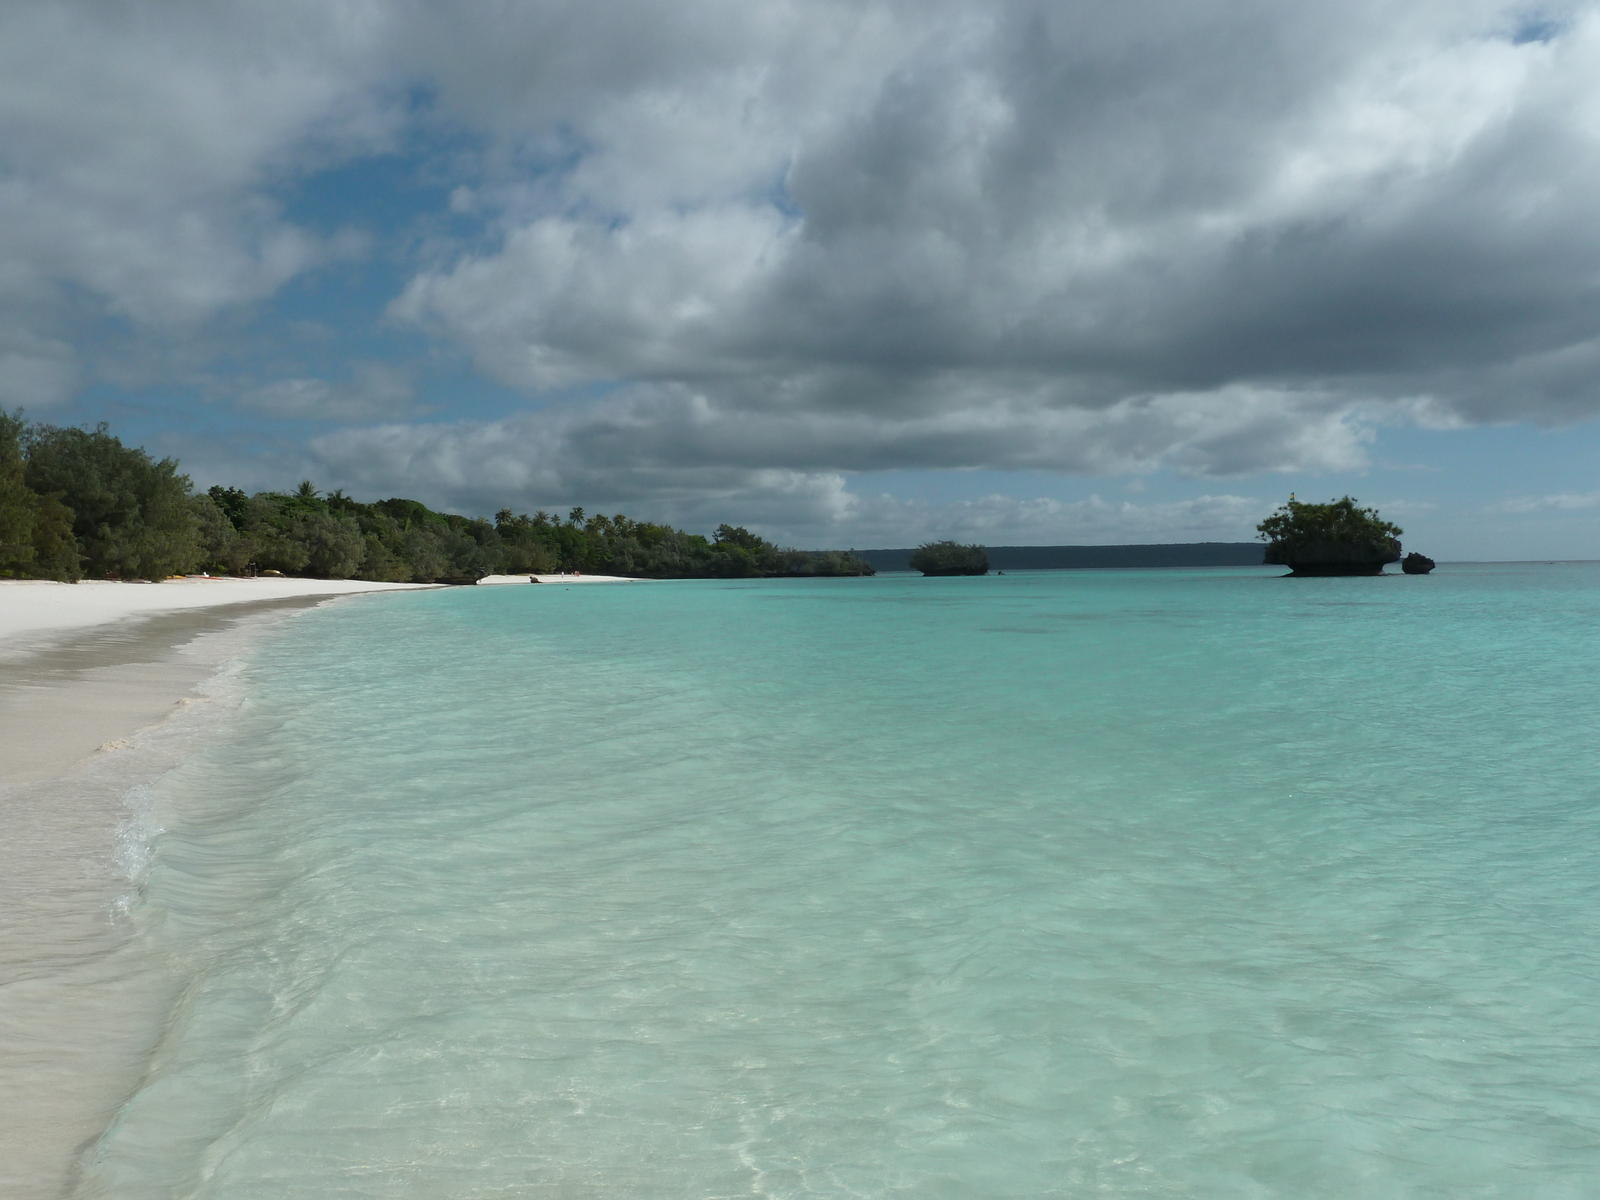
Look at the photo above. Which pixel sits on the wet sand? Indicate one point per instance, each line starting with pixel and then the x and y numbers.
pixel 92 708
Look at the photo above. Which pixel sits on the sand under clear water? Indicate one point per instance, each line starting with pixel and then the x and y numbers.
pixel 1162 883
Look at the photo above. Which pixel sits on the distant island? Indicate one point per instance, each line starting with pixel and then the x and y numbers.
pixel 77 503
pixel 1337 538
pixel 1064 558
pixel 949 558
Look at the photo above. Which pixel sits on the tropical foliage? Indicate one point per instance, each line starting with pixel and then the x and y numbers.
pixel 1337 538
pixel 1297 526
pixel 76 502
pixel 950 558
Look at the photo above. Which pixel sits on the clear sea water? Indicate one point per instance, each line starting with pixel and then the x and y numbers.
pixel 1154 883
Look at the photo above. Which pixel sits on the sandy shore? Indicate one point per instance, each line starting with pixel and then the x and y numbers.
pixel 84 665
pixel 31 609
pixel 103 687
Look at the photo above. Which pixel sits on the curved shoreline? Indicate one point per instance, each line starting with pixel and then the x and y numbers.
pixel 102 691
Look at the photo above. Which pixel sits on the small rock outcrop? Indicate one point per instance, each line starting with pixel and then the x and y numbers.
pixel 1417 564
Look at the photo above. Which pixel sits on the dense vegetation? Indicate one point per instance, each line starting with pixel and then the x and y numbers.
pixel 1340 531
pixel 1340 521
pixel 950 558
pixel 77 502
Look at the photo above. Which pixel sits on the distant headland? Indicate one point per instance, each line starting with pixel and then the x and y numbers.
pixel 1066 558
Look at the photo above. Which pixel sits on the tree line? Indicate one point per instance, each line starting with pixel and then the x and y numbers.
pixel 77 503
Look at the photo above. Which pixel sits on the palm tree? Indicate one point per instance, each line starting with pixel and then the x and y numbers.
pixel 575 516
pixel 306 490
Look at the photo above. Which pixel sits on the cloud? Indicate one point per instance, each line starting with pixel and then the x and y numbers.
pixel 1000 200
pixel 376 391
pixel 681 454
pixel 36 372
pixel 143 149
pixel 533 463
pixel 651 432
pixel 1561 502
pixel 786 242
pixel 1066 237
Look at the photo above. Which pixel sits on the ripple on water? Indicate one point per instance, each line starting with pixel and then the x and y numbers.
pixel 1224 888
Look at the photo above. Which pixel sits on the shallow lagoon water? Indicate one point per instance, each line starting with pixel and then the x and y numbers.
pixel 1143 883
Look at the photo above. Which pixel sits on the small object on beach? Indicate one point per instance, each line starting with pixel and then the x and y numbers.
pixel 274 574
pixel 533 579
pixel 1417 564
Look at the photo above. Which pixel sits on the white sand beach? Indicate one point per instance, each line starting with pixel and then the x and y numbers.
pixel 56 708
pixel 35 608
pixel 103 686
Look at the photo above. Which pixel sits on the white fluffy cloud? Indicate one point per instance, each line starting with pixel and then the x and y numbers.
pixel 789 240
pixel 139 148
pixel 1222 240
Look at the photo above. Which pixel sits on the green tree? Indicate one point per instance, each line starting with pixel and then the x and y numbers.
pixel 382 562
pixel 333 545
pixel 269 523
pixel 223 549
pixel 131 513
pixel 950 558
pixel 35 531
pixel 427 551
pixel 231 501
pixel 737 535
pixel 1342 521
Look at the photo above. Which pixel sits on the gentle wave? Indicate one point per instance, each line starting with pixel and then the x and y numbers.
pixel 1121 883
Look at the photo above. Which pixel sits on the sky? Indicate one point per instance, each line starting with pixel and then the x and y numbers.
pixel 852 274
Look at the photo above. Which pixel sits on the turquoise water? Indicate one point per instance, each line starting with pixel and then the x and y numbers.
pixel 1158 884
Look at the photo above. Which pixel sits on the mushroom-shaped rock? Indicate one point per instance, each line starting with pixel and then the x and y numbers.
pixel 1417 564
pixel 1337 538
pixel 1335 558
